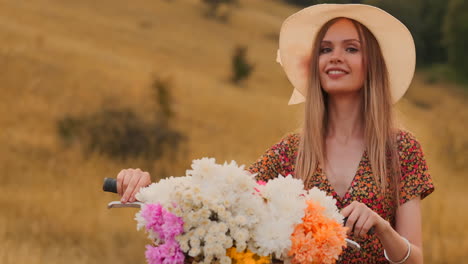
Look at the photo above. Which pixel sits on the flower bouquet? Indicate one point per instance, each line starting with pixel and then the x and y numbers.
pixel 221 214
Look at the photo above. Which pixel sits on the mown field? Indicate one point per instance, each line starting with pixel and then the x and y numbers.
pixel 72 58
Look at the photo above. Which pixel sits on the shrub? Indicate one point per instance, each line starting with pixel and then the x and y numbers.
pixel 213 8
pixel 121 134
pixel 241 68
pixel 162 99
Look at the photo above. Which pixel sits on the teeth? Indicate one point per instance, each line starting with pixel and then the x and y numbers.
pixel 336 72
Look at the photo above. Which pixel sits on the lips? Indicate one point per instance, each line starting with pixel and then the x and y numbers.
pixel 335 73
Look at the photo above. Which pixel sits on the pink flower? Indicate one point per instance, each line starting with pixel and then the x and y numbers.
pixel 167 226
pixel 260 182
pixel 167 253
pixel 162 222
pixel 172 226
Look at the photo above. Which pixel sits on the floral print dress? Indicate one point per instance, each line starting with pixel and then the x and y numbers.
pixel 415 182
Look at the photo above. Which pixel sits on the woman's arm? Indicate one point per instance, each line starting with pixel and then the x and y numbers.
pixel 416 184
pixel 408 225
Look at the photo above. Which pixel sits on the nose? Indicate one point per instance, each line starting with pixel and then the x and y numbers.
pixel 336 56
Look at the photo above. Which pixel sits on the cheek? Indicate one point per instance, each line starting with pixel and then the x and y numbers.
pixel 322 62
pixel 359 68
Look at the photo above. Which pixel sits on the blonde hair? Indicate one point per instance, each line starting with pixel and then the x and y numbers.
pixel 377 112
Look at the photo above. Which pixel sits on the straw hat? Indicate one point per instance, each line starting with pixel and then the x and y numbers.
pixel 298 33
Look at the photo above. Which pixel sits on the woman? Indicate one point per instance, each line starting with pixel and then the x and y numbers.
pixel 349 63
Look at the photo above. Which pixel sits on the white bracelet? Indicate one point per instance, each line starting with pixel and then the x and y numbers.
pixel 405 258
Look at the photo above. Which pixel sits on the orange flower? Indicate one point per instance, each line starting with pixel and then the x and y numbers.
pixel 246 257
pixel 317 239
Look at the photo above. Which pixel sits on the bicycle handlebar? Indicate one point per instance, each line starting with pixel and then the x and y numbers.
pixel 110 185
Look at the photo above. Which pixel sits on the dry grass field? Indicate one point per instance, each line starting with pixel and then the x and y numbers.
pixel 60 58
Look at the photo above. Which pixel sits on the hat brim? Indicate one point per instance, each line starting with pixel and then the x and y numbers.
pixel 299 31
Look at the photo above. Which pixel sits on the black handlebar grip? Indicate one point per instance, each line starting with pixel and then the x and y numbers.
pixel 110 185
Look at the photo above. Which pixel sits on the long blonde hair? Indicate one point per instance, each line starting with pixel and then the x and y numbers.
pixel 377 112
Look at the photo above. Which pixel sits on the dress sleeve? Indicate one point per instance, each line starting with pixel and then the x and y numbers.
pixel 415 178
pixel 270 164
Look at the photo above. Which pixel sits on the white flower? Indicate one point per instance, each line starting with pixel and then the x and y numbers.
pixel 241 246
pixel 219 250
pixel 208 250
pixel 228 242
pixel 199 232
pixel 284 208
pixel 225 260
pixel 164 191
pixel 282 187
pixel 141 222
pixel 208 258
pixel 273 236
pixel 194 251
pixel 194 242
pixel 183 242
pixel 240 220
pixel 202 168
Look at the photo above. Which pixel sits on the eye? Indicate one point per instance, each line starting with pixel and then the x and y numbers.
pixel 352 50
pixel 325 50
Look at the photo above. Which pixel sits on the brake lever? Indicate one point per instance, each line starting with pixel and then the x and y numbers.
pixel 118 204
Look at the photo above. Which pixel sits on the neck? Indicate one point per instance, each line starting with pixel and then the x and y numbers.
pixel 345 120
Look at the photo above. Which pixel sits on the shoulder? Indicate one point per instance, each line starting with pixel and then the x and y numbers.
pixel 407 142
pixel 410 153
pixel 415 178
pixel 289 143
pixel 278 159
pixel 286 148
pixel 291 139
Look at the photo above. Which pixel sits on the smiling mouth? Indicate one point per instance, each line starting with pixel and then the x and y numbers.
pixel 336 72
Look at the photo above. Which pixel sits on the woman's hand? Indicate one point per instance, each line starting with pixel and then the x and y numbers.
pixel 129 182
pixel 361 219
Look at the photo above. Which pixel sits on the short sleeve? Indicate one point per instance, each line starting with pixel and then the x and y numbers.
pixel 415 178
pixel 276 159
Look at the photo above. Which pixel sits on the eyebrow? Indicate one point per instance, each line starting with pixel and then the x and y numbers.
pixel 346 40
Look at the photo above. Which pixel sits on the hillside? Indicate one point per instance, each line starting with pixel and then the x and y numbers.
pixel 69 58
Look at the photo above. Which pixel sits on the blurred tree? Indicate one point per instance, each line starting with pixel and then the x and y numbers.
pixel 241 68
pixel 214 6
pixel 163 99
pixel 424 19
pixel 456 36
pixel 433 49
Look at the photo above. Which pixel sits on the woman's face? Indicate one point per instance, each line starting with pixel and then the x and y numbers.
pixel 341 59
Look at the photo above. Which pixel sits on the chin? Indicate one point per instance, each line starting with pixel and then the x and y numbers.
pixel 338 90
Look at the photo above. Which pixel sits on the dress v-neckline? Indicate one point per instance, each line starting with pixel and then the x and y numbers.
pixel 341 199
